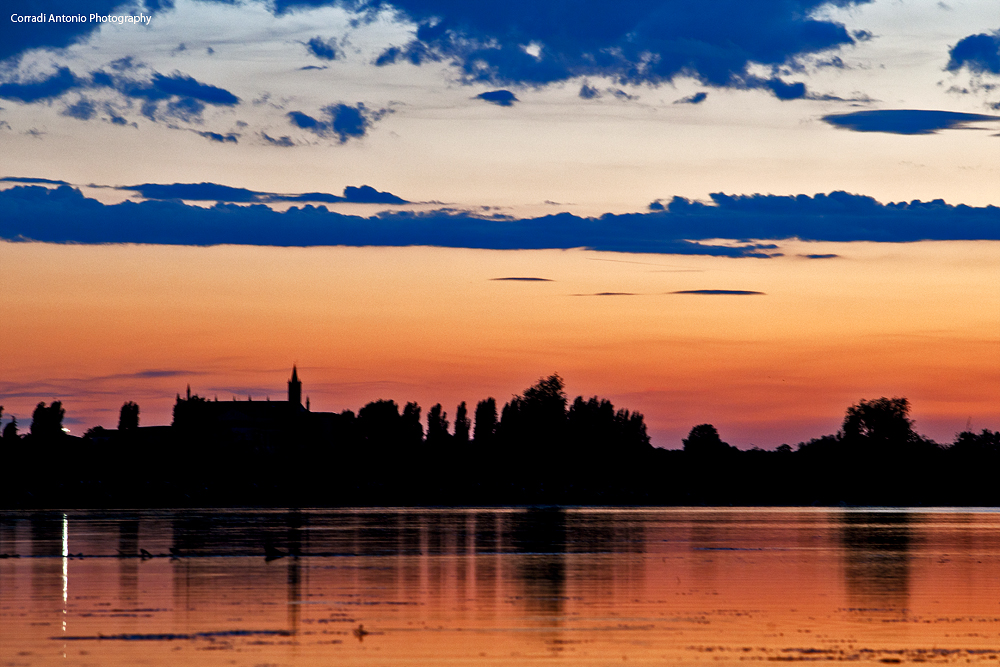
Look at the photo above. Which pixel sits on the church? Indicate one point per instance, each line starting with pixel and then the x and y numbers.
pixel 250 421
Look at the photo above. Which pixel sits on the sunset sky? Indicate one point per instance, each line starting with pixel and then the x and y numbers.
pixel 752 214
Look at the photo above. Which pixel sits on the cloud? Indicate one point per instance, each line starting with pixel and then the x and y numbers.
pixel 230 137
pixel 283 142
pixel 980 54
pixel 608 294
pixel 824 256
pixel 183 86
pixel 324 50
pixel 364 194
pixel 588 92
pixel 341 120
pixel 525 278
pixel 503 98
pixel 642 42
pixel 16 38
pixel 369 195
pixel 84 109
pixel 64 215
pixel 905 121
pixel 20 179
pixel 184 97
pixel 731 292
pixel 786 91
pixel 194 192
pixel 697 98
pixel 52 86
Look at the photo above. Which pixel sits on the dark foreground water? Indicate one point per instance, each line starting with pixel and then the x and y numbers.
pixel 499 587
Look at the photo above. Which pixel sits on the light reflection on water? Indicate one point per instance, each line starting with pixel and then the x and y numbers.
pixel 512 587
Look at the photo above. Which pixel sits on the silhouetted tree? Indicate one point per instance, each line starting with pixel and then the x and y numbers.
pixel 413 432
pixel 461 436
pixel 881 421
pixel 10 431
pixel 437 427
pixel 703 441
pixel 95 432
pixel 536 420
pixel 46 422
pixel 631 431
pixel 977 445
pixel 379 426
pixel 486 421
pixel 128 418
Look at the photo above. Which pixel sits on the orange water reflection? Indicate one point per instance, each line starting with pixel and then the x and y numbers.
pixel 513 587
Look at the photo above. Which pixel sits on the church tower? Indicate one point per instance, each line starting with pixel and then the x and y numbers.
pixel 295 388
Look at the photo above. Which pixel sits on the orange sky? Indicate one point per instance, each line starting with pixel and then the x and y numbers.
pixel 87 324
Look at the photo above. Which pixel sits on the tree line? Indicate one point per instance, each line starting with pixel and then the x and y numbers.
pixel 538 448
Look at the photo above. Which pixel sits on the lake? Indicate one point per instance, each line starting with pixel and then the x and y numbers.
pixel 574 586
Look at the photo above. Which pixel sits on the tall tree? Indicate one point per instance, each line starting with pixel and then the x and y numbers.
pixel 461 425
pixel 10 431
pixel 128 418
pixel 413 432
pixel 437 426
pixel 881 420
pixel 486 421
pixel 46 422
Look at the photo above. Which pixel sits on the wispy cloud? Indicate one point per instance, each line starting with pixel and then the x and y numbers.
pixel 906 121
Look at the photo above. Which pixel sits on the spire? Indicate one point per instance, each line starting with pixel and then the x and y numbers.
pixel 295 388
pixel 189 392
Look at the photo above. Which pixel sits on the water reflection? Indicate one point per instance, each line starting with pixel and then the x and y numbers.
pixel 877 559
pixel 509 586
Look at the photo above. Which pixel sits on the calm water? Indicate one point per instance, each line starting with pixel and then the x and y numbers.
pixel 499 587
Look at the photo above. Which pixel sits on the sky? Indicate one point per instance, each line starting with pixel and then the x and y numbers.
pixel 796 158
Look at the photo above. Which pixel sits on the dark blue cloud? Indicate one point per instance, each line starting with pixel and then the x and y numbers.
pixel 324 50
pixel 364 194
pixel 588 92
pixel 639 42
pixel 503 98
pixel 608 294
pixel 342 121
pixel 786 91
pixel 978 53
pixel 183 86
pixel 525 278
pixel 730 292
pixel 822 256
pixel 16 38
pixel 283 141
pixel 84 109
pixel 905 121
pixel 229 137
pixel 369 195
pixel 193 192
pixel 182 97
pixel 52 86
pixel 697 98
pixel 64 215
pixel 19 179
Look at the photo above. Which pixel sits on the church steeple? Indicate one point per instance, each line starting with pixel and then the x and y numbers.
pixel 295 388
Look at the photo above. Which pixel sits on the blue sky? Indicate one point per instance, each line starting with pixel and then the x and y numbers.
pixel 520 109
